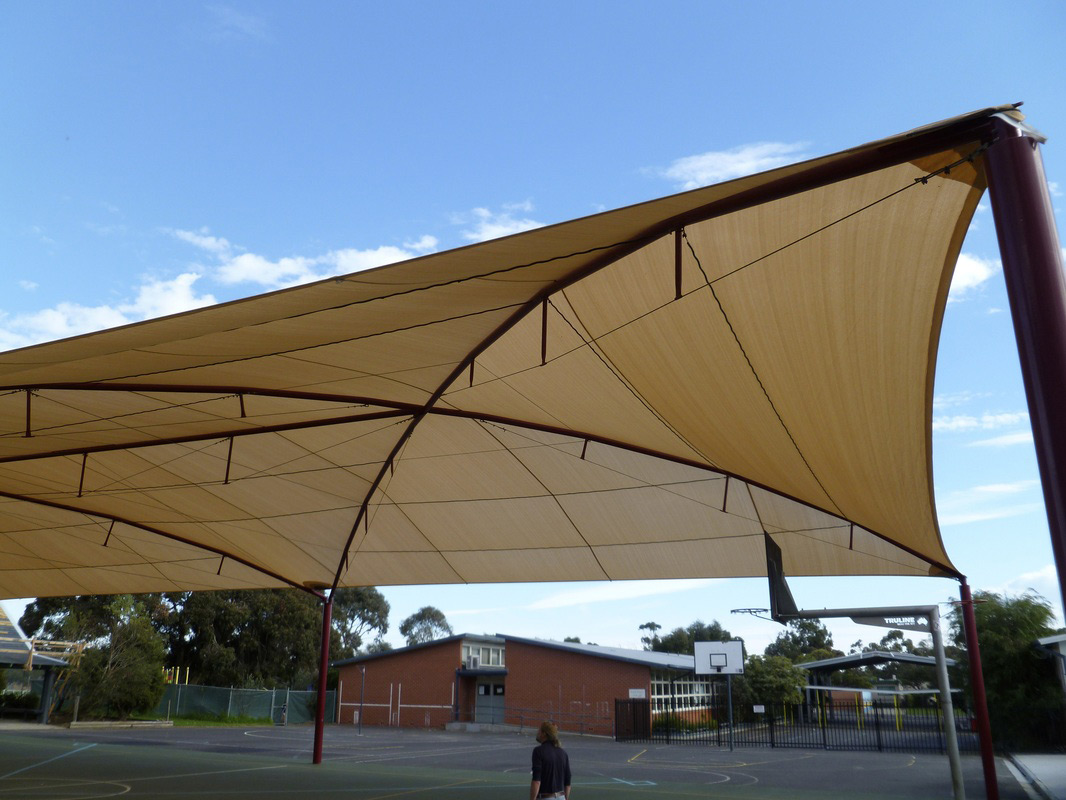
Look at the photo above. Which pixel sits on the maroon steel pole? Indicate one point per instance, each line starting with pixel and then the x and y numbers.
pixel 323 669
pixel 977 684
pixel 1032 267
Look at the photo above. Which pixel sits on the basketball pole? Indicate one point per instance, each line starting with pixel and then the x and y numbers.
pixel 729 695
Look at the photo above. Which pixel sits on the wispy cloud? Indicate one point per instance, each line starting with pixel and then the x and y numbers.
pixel 1007 440
pixel 39 233
pixel 715 166
pixel 970 272
pixel 621 590
pixel 483 224
pixel 988 502
pixel 942 402
pixel 29 286
pixel 204 240
pixel 227 23
pixel 985 422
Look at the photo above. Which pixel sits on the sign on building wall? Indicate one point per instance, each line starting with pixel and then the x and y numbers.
pixel 638 694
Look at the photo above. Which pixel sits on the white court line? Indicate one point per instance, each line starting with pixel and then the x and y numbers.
pixel 201 774
pixel 47 761
pixel 1023 780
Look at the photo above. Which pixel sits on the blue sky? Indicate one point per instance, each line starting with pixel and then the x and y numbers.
pixel 164 156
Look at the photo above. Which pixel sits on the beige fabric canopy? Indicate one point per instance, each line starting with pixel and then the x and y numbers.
pixel 638 394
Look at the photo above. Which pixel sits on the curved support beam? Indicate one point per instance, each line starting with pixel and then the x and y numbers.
pixel 229 433
pixel 164 534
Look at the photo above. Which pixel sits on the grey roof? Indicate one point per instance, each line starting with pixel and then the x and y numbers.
pixel 649 658
pixel 867 660
pixel 477 637
pixel 14 651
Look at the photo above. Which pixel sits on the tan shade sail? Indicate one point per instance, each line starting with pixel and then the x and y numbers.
pixel 638 394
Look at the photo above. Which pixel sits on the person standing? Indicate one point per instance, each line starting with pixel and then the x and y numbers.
pixel 551 766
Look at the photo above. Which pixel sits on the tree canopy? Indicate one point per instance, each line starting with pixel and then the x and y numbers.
pixel 359 612
pixel 682 640
pixel 425 625
pixel 225 638
pixel 1016 672
pixel 802 640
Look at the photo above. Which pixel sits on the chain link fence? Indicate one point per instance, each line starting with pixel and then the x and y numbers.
pixel 281 706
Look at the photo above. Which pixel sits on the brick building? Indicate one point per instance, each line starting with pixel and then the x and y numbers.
pixel 510 680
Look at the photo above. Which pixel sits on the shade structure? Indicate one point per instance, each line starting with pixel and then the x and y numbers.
pixel 638 394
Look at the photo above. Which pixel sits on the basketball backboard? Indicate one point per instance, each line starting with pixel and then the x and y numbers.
pixel 720 658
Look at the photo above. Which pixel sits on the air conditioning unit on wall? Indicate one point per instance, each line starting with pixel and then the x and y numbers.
pixel 473 662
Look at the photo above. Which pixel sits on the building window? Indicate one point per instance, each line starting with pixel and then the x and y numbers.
pixel 686 693
pixel 487 655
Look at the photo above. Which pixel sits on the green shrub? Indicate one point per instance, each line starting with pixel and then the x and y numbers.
pixel 22 700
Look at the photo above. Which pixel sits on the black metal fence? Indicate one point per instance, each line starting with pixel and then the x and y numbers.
pixel 824 721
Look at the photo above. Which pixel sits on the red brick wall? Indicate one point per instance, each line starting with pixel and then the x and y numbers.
pixel 574 690
pixel 412 689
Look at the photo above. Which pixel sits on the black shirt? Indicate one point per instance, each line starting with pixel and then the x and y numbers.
pixel 551 766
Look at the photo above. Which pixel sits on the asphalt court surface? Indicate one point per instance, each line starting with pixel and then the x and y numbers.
pixel 390 763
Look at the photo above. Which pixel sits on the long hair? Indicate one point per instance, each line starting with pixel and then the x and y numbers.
pixel 551 733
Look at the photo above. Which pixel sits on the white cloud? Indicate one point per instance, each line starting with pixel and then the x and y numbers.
pixel 235 265
pixel 970 272
pixel 1053 187
pixel 352 260
pixel 295 270
pixel 1007 440
pixel 1044 581
pixel 491 225
pixel 621 590
pixel 156 298
pixel 985 422
pixel 716 166
pixel 29 286
pixel 152 298
pixel 424 245
pixel 252 268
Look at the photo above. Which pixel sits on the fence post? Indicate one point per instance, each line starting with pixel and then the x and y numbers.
pixel 939 726
pixel 877 726
pixel 770 720
pixel 823 721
